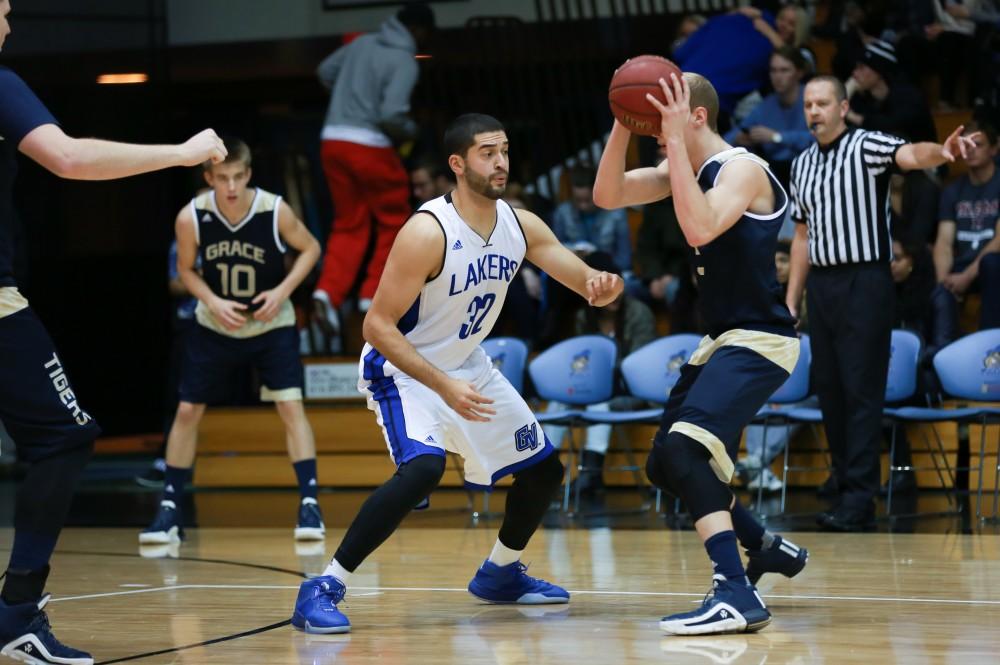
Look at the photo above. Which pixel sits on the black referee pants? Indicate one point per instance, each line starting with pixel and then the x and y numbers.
pixel 850 312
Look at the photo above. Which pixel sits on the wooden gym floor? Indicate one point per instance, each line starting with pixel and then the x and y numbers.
pixel 227 596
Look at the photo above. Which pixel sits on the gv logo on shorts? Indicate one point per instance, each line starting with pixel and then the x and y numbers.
pixel 526 438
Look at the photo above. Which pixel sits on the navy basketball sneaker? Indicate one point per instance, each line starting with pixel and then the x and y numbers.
pixel 316 607
pixel 783 556
pixel 511 584
pixel 166 527
pixel 310 525
pixel 730 607
pixel 26 636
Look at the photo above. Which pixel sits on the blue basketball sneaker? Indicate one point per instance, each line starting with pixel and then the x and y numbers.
pixel 310 524
pixel 26 636
pixel 316 607
pixel 730 607
pixel 511 584
pixel 166 527
pixel 783 556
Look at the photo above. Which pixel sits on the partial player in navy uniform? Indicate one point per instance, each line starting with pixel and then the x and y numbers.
pixel 52 431
pixel 239 235
pixel 729 207
pixel 433 388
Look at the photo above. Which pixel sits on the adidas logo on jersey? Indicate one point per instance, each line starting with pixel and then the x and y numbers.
pixel 206 217
pixel 457 245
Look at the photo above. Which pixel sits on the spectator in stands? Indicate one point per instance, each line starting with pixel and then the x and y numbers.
pixel 966 255
pixel 983 63
pixel 882 101
pixel 792 27
pixel 585 228
pixel 370 80
pixel 430 179
pixel 850 25
pixel 631 324
pixel 776 128
pixel 733 72
pixel 687 27
pixel 953 48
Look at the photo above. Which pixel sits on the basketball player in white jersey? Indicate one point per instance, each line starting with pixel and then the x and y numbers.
pixel 433 388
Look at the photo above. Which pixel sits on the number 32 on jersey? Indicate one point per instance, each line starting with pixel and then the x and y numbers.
pixel 478 309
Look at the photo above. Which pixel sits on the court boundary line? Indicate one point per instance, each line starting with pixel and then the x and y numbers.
pixel 206 643
pixel 579 592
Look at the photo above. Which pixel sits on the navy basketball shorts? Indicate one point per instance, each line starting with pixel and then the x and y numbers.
pixel 723 386
pixel 209 359
pixel 38 406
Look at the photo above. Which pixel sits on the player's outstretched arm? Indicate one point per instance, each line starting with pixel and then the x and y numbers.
pixel 617 188
pixel 295 234
pixel 228 312
pixel 96 159
pixel 417 255
pixel 545 251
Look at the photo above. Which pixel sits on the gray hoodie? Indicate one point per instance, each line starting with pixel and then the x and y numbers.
pixel 371 80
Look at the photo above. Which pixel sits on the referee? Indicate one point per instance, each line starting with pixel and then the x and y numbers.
pixel 840 201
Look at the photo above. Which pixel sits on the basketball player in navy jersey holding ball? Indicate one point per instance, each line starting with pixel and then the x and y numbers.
pixel 53 433
pixel 729 207
pixel 433 388
pixel 244 317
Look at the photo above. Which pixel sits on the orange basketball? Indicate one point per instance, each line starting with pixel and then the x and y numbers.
pixel 628 89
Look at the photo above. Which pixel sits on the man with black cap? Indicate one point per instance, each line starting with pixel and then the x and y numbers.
pixel 883 101
pixel 370 81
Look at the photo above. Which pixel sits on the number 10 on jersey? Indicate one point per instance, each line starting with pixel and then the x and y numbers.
pixel 478 309
pixel 238 281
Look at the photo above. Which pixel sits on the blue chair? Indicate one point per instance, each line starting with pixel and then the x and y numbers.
pixel 969 369
pixel 650 373
pixel 509 356
pixel 776 411
pixel 578 371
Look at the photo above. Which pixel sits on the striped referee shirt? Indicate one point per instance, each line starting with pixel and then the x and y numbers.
pixel 841 193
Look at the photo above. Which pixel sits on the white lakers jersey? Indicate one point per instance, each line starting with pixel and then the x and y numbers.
pixel 456 310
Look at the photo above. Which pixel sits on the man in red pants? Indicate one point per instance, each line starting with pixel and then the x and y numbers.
pixel 370 80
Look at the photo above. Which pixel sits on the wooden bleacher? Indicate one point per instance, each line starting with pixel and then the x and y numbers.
pixel 245 447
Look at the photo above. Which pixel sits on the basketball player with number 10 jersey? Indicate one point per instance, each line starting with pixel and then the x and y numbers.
pixel 244 318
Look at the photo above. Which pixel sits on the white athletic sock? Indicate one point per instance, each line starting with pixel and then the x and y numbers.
pixel 503 555
pixel 338 571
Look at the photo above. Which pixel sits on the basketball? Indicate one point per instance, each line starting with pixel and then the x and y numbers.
pixel 629 86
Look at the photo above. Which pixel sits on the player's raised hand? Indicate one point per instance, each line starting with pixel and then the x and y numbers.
pixel 203 147
pixel 466 401
pixel 602 288
pixel 228 312
pixel 270 304
pixel 956 144
pixel 675 113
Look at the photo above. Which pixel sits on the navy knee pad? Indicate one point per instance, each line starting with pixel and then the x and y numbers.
pixel 680 465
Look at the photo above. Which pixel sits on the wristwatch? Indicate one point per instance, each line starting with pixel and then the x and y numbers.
pixel 776 138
